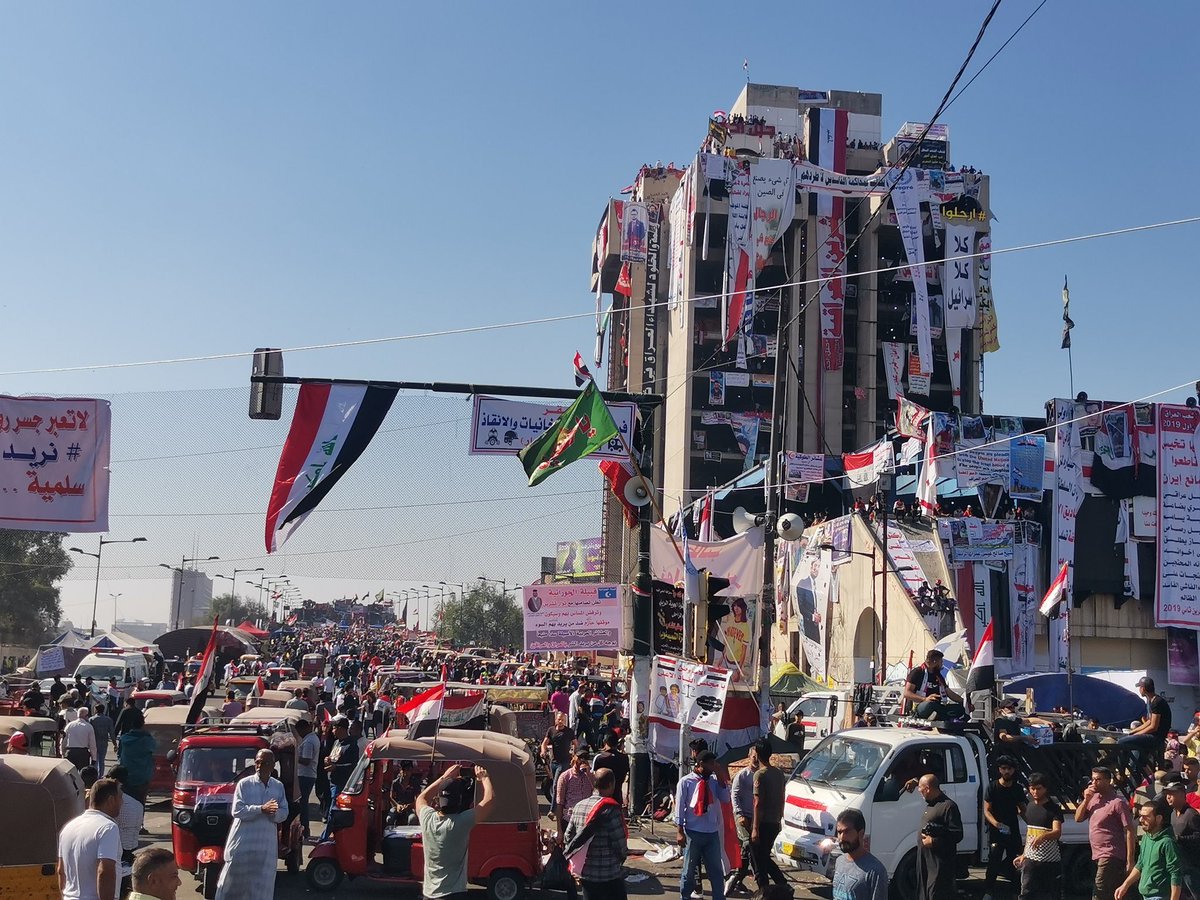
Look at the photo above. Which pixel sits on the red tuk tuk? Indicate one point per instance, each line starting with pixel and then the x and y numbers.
pixel 504 853
pixel 209 762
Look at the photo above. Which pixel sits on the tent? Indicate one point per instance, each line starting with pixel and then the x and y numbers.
pixel 184 642
pixel 789 683
pixel 251 629
pixel 1110 703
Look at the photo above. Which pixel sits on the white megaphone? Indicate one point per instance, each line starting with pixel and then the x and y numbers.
pixel 636 492
pixel 789 527
pixel 743 521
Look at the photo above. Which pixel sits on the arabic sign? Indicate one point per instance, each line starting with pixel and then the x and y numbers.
pixel 1177 600
pixel 54 466
pixel 579 557
pixel 683 691
pixel 51 660
pixel 572 617
pixel 505 426
pixel 973 540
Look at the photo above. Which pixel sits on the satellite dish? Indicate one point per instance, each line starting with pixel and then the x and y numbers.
pixel 743 521
pixel 789 527
pixel 636 492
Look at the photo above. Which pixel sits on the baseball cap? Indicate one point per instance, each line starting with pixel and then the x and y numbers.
pixel 18 741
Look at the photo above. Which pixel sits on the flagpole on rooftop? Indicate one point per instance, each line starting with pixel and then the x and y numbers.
pixel 1066 335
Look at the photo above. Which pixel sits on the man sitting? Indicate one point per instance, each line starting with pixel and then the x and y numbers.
pixel 925 690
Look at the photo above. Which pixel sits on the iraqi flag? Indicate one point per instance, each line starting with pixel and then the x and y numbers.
pixel 203 678
pixel 1055 593
pixel 424 712
pixel 618 474
pixel 982 676
pixel 331 427
pixel 582 374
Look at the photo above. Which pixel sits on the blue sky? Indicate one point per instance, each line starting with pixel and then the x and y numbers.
pixel 188 180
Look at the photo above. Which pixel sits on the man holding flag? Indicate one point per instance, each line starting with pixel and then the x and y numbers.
pixel 204 678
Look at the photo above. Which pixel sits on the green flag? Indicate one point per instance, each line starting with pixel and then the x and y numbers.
pixel 379 595
pixel 584 428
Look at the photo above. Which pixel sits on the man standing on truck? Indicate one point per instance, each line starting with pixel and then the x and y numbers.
pixel 1157 874
pixel 925 690
pixel 1110 832
pixel 859 875
pixel 940 833
pixel 1003 806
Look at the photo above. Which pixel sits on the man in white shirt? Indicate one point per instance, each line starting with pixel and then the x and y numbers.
pixel 89 847
pixel 307 756
pixel 129 821
pixel 79 740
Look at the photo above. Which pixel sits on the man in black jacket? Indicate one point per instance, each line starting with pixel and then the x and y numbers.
pixel 937 842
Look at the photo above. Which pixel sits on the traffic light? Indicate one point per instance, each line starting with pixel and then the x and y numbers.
pixel 710 608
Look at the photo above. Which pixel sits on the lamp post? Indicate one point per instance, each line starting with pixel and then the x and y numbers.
pixel 441 599
pixel 114 598
pixel 499 581
pixel 97 555
pixel 179 594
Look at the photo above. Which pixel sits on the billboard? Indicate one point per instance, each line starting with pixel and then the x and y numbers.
pixel 579 558
pixel 570 618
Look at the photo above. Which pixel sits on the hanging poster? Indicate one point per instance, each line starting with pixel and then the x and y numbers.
pixel 912 419
pixel 804 467
pixel 739 270
pixel 572 618
pixel 635 230
pixel 745 432
pixel 827 129
pixel 1068 496
pixel 772 205
pixel 908 190
pixel 982 465
pixel 810 578
pixel 677 234
pixel 973 540
pixel 505 426
pixel 989 330
pixel 716 388
pixel 841 534
pixel 683 692
pixel 918 381
pixel 1183 657
pixel 958 276
pixel 954 362
pixel 900 552
pixel 1027 467
pixel 1024 596
pixel 894 362
pixel 54 472
pixel 1177 600
pixel 667 600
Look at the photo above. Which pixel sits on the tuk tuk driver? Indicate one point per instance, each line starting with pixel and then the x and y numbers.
pixel 446 819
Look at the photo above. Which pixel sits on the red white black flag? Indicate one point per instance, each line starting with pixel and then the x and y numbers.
pixel 331 428
pixel 203 678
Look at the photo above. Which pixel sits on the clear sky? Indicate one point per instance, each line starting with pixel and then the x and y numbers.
pixel 195 179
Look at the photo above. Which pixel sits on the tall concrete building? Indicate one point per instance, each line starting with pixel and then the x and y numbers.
pixel 191 599
pixel 717 418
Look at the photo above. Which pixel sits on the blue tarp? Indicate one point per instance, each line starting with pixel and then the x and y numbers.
pixel 1110 703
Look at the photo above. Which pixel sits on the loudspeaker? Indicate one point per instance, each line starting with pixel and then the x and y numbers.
pixel 636 492
pixel 266 400
pixel 743 521
pixel 789 527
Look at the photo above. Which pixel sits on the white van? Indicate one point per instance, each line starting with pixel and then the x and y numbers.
pixel 127 668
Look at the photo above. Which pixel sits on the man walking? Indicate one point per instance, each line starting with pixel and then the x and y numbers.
pixel 89 847
pixel 769 785
pixel 698 800
pixel 102 725
pixel 79 740
pixel 1041 862
pixel 940 833
pixel 343 757
pixel 1110 832
pixel 556 751
pixel 1185 824
pixel 597 832
pixel 446 817
pixel 1157 873
pixel 574 784
pixel 307 754
pixel 252 848
pixel 858 875
pixel 155 875
pixel 1003 806
pixel 742 792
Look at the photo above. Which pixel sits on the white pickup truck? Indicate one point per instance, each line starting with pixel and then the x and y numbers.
pixel 866 769
pixel 825 712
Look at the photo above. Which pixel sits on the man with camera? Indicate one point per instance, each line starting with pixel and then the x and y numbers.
pixel 446 818
pixel 939 836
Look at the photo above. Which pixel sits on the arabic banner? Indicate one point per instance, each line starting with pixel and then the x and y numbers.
pixel 894 361
pixel 918 381
pixel 570 618
pixel 840 535
pixel 907 194
pixel 1177 600
pixel 973 540
pixel 739 273
pixel 677 235
pixel 982 465
pixel 904 560
pixel 667 600
pixel 506 426
pixel 1068 496
pixel 54 471
pixel 1024 594
pixel 635 230
pixel 827 147
pixel 989 330
pixel 825 181
pixel 912 419
pixel 958 279
pixel 683 692
pixel 772 205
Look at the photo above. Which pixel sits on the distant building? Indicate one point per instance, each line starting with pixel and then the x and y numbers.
pixel 191 599
pixel 143 631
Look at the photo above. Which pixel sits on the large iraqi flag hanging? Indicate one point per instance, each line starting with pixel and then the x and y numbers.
pixel 332 426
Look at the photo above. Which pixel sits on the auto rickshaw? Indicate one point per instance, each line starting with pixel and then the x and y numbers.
pixel 166 724
pixel 41 733
pixel 209 762
pixel 282 719
pixel 48 793
pixel 276 674
pixel 150 699
pixel 312 664
pixel 298 684
pixel 269 699
pixel 504 853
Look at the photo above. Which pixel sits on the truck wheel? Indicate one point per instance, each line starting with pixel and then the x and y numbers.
pixel 904 879
pixel 323 875
pixel 1079 871
pixel 506 884
pixel 209 876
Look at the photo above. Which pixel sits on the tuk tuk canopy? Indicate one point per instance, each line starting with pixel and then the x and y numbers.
pixel 49 793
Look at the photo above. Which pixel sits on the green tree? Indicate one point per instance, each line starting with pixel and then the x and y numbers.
pixel 31 564
pixel 483 616
pixel 235 610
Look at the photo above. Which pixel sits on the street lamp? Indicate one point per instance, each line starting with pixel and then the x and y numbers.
pixel 179 595
pixel 114 598
pixel 499 581
pixel 441 599
pixel 97 554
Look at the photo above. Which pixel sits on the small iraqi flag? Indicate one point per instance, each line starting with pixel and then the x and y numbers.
pixel 582 374
pixel 982 676
pixel 423 712
pixel 203 678
pixel 1055 593
pixel 332 426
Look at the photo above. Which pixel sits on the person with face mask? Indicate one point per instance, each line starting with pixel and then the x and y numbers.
pixel 858 875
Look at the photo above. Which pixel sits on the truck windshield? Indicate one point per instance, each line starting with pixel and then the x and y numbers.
pixel 216 765
pixel 842 763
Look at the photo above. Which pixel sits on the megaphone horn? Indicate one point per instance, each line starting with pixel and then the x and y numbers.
pixel 636 492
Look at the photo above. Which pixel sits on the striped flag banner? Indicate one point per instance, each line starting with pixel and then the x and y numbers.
pixel 332 426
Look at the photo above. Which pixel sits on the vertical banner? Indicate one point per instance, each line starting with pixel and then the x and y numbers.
pixel 772 205
pixel 1177 601
pixel 1026 467
pixel 1024 594
pixel 989 329
pixel 805 571
pixel 954 360
pixel 958 277
pixel 827 129
pixel 1068 496
pixel 907 194
pixel 677 234
pixel 650 312
pixel 54 472
pixel 634 233
pixel 982 584
pixel 918 381
pixel 894 362
pixel 739 273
